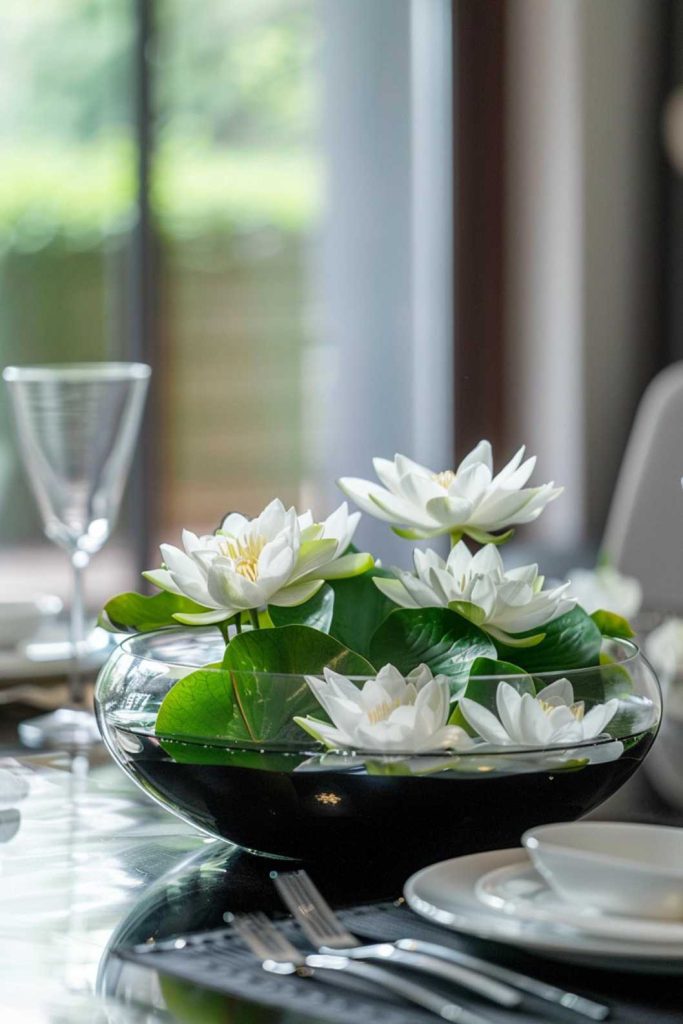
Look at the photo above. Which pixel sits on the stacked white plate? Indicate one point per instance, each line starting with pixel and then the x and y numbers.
pixel 607 894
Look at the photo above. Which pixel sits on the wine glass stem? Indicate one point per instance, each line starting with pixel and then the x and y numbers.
pixel 79 561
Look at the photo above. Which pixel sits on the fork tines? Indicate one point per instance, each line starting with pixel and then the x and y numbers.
pixel 313 912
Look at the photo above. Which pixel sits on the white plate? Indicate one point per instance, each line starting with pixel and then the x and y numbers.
pixel 444 893
pixel 518 890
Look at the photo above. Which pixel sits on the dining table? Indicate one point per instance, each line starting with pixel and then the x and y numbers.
pixel 90 866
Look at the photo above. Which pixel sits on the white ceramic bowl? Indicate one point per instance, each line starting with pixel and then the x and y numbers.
pixel 20 619
pixel 614 867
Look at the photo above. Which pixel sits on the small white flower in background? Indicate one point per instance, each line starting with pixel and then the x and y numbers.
pixel 277 558
pixel 605 588
pixel 389 713
pixel 551 717
pixel 478 587
pixel 664 648
pixel 420 502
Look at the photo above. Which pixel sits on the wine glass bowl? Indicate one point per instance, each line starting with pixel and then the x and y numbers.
pixel 76 426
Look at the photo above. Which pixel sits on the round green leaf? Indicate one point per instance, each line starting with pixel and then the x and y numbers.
pixel 359 609
pixel 316 612
pixel 138 613
pixel 611 624
pixel 258 691
pixel 570 641
pixel 436 637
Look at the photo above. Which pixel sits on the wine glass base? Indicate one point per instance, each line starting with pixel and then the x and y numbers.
pixel 64 729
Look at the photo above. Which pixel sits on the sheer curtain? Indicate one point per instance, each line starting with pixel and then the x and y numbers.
pixel 384 370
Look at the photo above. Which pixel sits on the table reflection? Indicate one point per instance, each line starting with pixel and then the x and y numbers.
pixel 88 864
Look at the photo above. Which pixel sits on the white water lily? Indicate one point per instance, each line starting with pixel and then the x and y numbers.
pixel 551 717
pixel 419 502
pixel 387 714
pixel 605 588
pixel 479 588
pixel 278 558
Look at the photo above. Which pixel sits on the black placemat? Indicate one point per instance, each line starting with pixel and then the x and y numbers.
pixel 218 960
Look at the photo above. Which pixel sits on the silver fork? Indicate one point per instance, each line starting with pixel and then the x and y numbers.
pixel 279 956
pixel 328 933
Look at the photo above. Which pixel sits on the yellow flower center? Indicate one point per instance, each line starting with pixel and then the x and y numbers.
pixel 577 709
pixel 382 711
pixel 444 479
pixel 245 555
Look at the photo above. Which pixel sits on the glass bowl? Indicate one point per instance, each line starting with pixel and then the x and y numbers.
pixel 278 792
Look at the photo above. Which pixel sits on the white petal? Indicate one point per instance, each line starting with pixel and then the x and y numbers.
pixel 421 592
pixel 418 490
pixel 162 578
pixel 509 707
pixel 481 453
pixel 560 691
pixel 426 560
pixel 534 725
pixel 459 560
pixel 396 592
pixel 362 492
pixel 487 561
pixel 295 593
pixel 483 721
pixel 598 718
pixel 204 618
pixel 234 523
pixel 449 512
pixel 404 465
pixel 471 483
pixel 387 473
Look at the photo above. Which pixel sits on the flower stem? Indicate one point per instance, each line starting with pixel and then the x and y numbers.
pixel 253 615
pixel 224 626
pixel 455 537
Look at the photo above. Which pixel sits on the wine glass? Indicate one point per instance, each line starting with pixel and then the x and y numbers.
pixel 77 425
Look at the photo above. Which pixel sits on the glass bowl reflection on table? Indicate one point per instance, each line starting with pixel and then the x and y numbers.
pixel 286 796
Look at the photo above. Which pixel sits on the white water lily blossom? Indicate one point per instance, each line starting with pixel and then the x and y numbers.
pixel 278 558
pixel 419 502
pixel 389 713
pixel 551 717
pixel 479 588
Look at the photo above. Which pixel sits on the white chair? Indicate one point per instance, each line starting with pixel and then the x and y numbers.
pixel 644 533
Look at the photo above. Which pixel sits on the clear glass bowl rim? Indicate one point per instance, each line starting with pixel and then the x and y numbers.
pixel 633 657
pixel 76 372
pixel 308 749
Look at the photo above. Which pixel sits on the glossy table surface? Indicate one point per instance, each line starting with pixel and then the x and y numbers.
pixel 89 862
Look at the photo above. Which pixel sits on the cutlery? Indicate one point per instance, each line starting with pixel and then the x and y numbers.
pixel 326 932
pixel 307 904
pixel 279 956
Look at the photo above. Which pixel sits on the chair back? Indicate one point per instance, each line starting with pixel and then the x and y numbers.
pixel 644 533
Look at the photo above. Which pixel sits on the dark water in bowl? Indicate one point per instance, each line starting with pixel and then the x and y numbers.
pixel 350 813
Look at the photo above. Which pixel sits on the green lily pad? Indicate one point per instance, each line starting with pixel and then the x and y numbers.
pixel 611 624
pixel 138 613
pixel 316 612
pixel 359 609
pixel 254 697
pixel 571 641
pixel 436 637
